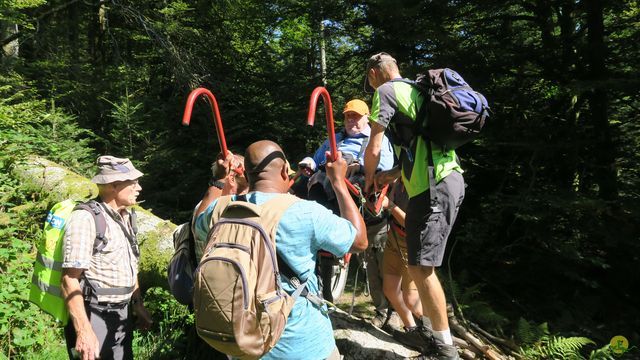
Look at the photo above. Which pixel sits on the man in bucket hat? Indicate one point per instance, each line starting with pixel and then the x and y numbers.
pixel 100 273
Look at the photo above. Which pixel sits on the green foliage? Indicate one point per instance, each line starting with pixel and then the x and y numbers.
pixel 11 11
pixel 27 127
pixel 472 304
pixel 23 328
pixel 603 353
pixel 528 333
pixel 127 135
pixel 172 322
pixel 548 229
pixel 556 348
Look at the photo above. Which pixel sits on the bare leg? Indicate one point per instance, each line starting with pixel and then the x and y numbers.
pixel 432 296
pixel 412 300
pixel 391 288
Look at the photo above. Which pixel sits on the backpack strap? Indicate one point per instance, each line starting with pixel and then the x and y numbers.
pixel 128 231
pixel 272 212
pixel 101 223
pixel 134 221
pixel 363 147
pixel 419 123
pixel 90 292
pixel 431 169
pixel 420 129
pixel 221 206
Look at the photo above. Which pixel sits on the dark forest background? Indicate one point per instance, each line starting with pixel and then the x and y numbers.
pixel 549 231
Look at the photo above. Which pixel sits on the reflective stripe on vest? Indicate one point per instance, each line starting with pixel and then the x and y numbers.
pixel 48 288
pixel 57 291
pixel 49 263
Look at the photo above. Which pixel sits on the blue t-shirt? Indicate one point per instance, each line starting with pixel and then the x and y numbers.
pixel 353 145
pixel 305 228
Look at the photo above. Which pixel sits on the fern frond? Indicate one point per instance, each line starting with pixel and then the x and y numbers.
pixel 604 353
pixel 567 348
pixel 556 347
pixel 529 333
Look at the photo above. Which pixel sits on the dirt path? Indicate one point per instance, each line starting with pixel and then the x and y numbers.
pixel 363 307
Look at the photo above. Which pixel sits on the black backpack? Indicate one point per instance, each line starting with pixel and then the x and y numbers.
pixel 452 113
pixel 182 264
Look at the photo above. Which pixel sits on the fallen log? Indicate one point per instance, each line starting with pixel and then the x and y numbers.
pixel 486 350
pixel 509 345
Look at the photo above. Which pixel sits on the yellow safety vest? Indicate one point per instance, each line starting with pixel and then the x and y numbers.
pixel 46 291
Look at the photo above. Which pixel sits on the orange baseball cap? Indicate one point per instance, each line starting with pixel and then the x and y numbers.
pixel 357 106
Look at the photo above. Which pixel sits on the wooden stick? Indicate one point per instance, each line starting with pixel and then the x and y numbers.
pixel 490 337
pixel 475 342
pixel 468 354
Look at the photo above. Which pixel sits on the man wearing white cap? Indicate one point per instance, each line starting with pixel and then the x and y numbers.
pixel 100 273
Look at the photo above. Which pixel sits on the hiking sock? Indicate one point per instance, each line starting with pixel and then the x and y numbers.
pixel 443 336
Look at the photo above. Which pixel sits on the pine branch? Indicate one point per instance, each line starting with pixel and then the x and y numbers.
pixel 17 35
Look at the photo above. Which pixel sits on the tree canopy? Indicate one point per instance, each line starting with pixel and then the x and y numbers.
pixel 549 228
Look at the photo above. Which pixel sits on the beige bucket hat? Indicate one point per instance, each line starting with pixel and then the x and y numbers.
pixel 112 169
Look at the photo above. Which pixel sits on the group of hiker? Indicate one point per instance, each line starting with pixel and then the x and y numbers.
pixel 404 242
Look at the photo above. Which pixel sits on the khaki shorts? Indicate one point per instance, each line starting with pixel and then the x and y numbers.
pixel 394 261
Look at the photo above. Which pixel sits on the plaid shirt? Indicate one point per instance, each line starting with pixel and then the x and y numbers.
pixel 116 265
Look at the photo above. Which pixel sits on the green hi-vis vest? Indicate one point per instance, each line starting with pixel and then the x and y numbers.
pixel 46 291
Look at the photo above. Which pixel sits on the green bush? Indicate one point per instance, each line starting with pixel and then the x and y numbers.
pixel 28 126
pixel 172 321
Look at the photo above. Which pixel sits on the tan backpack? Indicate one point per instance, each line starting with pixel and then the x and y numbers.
pixel 240 306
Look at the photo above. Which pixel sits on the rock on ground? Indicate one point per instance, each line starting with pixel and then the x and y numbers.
pixel 358 339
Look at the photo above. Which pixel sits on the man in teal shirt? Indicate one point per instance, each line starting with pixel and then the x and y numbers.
pixel 395 107
pixel 305 228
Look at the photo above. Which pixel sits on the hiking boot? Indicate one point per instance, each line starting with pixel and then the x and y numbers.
pixel 427 332
pixel 394 323
pixel 414 338
pixel 379 319
pixel 444 351
pixel 422 321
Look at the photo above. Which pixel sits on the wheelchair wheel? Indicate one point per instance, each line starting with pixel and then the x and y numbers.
pixel 334 275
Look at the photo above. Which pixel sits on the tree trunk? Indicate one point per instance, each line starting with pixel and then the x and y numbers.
pixel 73 23
pixel 323 55
pixel 11 49
pixel 569 173
pixel 604 150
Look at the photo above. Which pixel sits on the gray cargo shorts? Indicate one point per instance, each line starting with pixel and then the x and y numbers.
pixel 427 232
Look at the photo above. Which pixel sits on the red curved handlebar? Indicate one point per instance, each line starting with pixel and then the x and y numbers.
pixel 186 118
pixel 328 112
pixel 331 132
